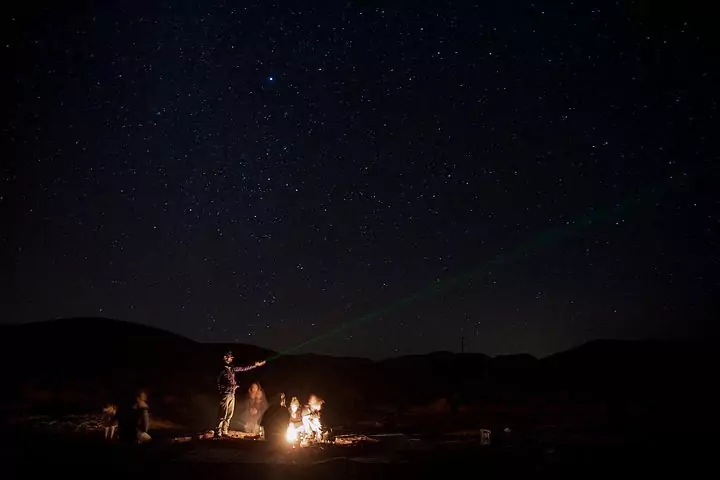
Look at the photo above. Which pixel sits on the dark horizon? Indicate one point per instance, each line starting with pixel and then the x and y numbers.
pixel 309 351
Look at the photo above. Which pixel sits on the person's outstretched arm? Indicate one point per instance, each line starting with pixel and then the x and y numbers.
pixel 249 367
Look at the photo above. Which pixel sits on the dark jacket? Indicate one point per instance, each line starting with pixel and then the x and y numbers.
pixel 133 419
pixel 142 415
pixel 226 382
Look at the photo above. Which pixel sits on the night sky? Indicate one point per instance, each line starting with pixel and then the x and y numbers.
pixel 266 172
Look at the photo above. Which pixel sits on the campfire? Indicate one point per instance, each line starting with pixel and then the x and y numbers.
pixel 305 427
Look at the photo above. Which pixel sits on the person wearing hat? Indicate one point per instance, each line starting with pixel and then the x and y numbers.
pixel 227 384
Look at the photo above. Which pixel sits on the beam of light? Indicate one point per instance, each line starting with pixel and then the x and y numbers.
pixel 546 237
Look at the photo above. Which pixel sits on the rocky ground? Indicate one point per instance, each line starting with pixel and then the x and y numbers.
pixel 78 423
pixel 73 445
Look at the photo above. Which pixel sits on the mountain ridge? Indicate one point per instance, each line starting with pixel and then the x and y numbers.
pixel 94 326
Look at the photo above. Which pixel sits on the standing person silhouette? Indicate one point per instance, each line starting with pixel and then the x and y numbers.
pixel 227 384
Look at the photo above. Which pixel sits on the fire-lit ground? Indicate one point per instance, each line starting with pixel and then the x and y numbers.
pixel 355 456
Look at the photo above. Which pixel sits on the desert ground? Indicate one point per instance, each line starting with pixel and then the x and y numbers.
pixel 417 454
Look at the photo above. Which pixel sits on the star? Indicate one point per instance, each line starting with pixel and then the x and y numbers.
pixel 438 164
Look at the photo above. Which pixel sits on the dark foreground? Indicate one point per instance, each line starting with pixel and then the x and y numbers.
pixel 26 456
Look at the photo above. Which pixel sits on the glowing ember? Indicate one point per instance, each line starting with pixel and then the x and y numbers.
pixel 292 434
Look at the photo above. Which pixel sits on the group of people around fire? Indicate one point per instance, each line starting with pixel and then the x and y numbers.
pixel 132 421
pixel 304 425
pixel 304 420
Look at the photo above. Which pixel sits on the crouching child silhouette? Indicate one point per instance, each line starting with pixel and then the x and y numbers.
pixel 275 421
pixel 110 421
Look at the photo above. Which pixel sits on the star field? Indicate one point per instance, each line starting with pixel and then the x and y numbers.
pixel 263 172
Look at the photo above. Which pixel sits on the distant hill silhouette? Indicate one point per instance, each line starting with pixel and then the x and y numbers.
pixel 100 354
pixel 92 338
pixel 633 362
pixel 87 360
